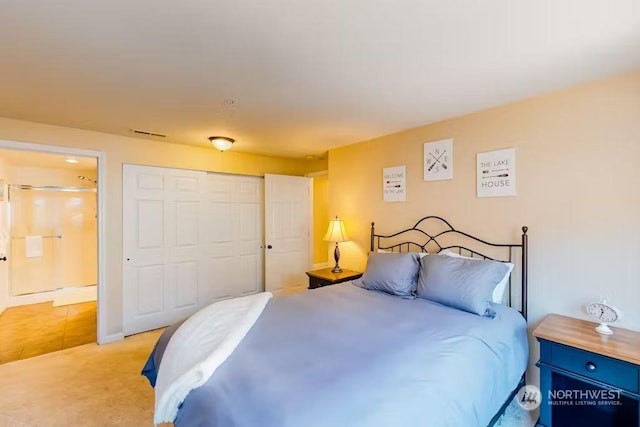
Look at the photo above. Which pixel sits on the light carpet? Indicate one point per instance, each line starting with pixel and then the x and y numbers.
pixel 89 385
pixel 95 385
pixel 516 416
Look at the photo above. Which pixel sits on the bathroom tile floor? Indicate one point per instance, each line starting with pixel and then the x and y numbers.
pixel 31 330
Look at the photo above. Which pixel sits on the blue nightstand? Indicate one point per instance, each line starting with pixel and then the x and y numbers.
pixel 587 379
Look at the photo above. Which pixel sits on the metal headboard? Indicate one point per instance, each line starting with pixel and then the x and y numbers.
pixel 437 241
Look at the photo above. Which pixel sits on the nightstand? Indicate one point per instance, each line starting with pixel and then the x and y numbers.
pixel 324 277
pixel 587 379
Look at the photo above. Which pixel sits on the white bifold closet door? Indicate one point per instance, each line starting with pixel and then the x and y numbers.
pixel 189 238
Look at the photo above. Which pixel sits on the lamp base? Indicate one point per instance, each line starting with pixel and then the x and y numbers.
pixel 336 256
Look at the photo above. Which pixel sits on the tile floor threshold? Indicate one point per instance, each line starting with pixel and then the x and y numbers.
pixel 31 330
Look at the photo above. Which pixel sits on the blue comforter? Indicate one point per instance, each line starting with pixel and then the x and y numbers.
pixel 346 356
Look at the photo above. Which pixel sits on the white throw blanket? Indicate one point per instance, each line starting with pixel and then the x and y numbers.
pixel 199 346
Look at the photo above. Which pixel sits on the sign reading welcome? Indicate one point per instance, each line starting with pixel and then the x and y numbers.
pixel 394 184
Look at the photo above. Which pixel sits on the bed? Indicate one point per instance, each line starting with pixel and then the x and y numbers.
pixel 344 355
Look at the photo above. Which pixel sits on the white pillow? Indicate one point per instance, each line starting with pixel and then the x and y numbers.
pixel 498 291
pixel 383 251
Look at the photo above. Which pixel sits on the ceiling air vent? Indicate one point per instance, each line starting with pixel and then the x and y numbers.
pixel 147 133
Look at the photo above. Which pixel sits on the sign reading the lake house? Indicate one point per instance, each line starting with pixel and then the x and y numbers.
pixel 438 160
pixel 394 184
pixel 496 173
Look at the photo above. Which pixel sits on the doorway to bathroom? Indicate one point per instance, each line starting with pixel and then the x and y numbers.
pixel 48 252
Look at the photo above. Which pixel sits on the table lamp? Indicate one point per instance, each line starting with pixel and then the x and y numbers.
pixel 336 233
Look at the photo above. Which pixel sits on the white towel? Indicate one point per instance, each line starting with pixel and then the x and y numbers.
pixel 33 246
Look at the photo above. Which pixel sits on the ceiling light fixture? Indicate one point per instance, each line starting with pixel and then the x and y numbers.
pixel 222 143
pixel 71 161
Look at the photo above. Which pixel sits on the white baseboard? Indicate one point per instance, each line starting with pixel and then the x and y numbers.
pixel 75 295
pixel 46 296
pixel 36 298
pixel 111 338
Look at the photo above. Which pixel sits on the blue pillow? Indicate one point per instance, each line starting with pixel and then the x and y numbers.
pixel 460 283
pixel 394 273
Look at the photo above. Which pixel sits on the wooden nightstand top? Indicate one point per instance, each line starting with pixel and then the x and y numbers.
pixel 623 344
pixel 326 274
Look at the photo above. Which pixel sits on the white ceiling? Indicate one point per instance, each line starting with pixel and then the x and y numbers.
pixel 307 75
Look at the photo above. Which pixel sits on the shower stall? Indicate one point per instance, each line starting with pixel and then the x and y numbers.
pixel 52 238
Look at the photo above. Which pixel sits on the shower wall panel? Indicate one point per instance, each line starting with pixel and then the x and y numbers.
pixel 66 261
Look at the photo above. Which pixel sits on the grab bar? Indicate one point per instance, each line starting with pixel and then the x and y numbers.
pixel 59 236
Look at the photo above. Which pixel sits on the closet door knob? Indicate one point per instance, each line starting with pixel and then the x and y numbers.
pixel 4 258
pixel 269 246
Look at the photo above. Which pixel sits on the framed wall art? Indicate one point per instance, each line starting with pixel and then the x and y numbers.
pixel 394 184
pixel 496 173
pixel 438 160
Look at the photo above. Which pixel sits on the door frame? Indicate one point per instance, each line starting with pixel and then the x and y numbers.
pixel 101 326
pixel 312 240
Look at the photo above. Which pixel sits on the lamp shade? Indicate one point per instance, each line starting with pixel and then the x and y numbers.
pixel 222 143
pixel 336 232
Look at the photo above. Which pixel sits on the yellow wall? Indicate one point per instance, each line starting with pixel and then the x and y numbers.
pixel 578 171
pixel 320 218
pixel 119 150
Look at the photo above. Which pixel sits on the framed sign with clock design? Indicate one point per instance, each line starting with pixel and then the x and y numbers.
pixel 438 160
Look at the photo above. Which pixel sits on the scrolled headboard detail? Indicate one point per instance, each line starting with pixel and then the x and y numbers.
pixel 433 234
